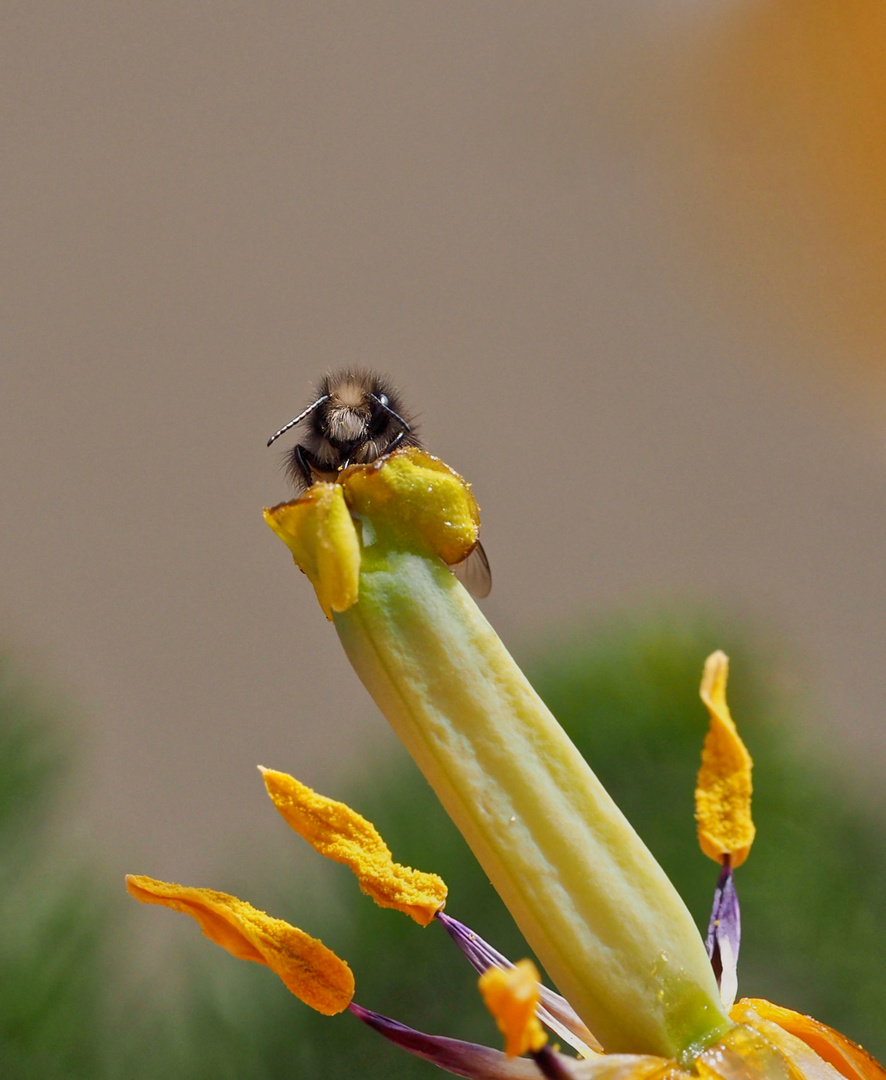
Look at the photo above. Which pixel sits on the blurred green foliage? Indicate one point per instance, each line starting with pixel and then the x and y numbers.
pixel 627 693
pixel 50 928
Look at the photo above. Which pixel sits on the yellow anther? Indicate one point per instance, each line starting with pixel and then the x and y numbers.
pixel 343 835
pixel 322 536
pixel 511 995
pixel 308 969
pixel 723 789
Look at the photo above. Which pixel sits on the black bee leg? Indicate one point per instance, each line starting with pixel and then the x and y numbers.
pixel 395 442
pixel 300 465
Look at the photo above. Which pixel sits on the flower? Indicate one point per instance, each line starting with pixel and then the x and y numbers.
pixel 581 885
pixel 592 902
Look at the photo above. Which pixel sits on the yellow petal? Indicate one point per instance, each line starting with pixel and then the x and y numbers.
pixel 322 536
pixel 343 835
pixel 723 789
pixel 308 969
pixel 847 1057
pixel 434 505
pixel 512 997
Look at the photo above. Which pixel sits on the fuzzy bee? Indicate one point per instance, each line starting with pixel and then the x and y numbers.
pixel 357 418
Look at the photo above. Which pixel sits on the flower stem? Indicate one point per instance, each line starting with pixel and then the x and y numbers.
pixel 593 903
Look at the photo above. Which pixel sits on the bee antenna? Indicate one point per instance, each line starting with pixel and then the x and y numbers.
pixel 387 408
pixel 299 418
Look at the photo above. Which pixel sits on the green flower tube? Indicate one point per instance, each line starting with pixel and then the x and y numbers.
pixel 592 902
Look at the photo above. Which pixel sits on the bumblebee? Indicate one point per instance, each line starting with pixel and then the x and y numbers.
pixel 356 418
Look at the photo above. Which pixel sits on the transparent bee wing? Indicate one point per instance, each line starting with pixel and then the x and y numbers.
pixel 474 573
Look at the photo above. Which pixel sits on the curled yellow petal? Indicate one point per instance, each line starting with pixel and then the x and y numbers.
pixel 847 1057
pixel 512 997
pixel 723 789
pixel 433 504
pixel 308 969
pixel 343 835
pixel 321 534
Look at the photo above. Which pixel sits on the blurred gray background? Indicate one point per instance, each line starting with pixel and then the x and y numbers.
pixel 627 259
